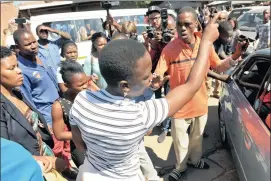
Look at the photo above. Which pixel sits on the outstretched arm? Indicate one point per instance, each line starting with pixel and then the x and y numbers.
pixel 182 94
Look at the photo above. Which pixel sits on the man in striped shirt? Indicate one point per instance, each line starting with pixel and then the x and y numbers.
pixel 109 126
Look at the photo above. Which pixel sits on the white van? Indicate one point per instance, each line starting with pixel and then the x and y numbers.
pixel 74 23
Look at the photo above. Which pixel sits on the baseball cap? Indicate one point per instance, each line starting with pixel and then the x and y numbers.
pixel 153 9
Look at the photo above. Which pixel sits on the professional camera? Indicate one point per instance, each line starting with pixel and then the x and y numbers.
pixel 166 33
pixel 109 4
pixel 151 31
pixel 249 46
pixel 243 38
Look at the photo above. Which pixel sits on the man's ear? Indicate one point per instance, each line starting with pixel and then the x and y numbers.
pixel 124 86
pixel 66 85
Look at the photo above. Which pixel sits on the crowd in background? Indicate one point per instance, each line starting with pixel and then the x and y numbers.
pixel 94 116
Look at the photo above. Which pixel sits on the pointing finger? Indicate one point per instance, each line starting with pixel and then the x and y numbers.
pixel 214 19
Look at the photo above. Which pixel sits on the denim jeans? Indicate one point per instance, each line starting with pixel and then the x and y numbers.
pixel 166 124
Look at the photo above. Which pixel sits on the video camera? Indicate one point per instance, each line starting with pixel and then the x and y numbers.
pixel 166 33
pixel 109 4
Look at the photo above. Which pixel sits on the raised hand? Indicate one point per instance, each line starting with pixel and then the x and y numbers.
pixel 211 33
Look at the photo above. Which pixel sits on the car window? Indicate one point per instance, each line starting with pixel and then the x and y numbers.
pixel 138 19
pixel 251 76
pixel 249 21
pixel 66 26
pixel 262 104
pixel 237 13
pixel 86 27
pixel 76 28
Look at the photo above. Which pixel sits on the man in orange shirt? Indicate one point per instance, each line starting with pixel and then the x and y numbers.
pixel 177 59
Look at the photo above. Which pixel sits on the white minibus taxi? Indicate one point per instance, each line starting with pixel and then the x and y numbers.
pixel 75 23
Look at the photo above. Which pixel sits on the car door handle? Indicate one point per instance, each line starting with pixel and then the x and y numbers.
pixel 247 140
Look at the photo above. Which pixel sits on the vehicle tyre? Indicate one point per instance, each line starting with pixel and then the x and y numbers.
pixel 222 129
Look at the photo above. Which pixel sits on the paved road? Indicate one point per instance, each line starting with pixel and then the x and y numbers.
pixel 219 159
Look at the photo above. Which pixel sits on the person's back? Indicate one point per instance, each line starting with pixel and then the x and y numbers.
pixel 17 163
pixel 113 127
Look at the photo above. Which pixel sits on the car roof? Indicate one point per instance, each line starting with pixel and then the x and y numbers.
pixel 248 7
pixel 258 10
pixel 265 51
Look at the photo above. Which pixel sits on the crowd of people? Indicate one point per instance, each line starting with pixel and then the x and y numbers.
pixel 88 122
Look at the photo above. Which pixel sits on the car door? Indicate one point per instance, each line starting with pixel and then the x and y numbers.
pixel 233 103
pixel 256 144
pixel 255 135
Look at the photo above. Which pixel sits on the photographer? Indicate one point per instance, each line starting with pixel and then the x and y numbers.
pixel 155 46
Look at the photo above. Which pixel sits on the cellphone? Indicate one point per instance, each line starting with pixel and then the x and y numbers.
pixel 20 20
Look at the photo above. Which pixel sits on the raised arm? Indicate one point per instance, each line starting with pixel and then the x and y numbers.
pixel 182 94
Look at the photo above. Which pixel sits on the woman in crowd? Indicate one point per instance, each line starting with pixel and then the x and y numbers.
pixel 91 65
pixel 236 32
pixel 129 28
pixel 69 52
pixel 75 80
pixel 20 121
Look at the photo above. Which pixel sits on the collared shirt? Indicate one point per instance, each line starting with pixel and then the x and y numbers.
pixel 51 54
pixel 177 59
pixel 264 35
pixel 40 86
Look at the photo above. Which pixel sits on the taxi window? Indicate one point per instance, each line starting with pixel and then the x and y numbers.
pixel 66 26
pixel 80 30
pixel 86 27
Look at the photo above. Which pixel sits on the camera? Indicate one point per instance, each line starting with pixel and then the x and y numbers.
pixel 243 38
pixel 166 33
pixel 151 31
pixel 109 4
pixel 20 20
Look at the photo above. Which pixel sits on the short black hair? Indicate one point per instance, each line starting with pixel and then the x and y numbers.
pixel 94 37
pixel 119 36
pixel 118 59
pixel 5 52
pixel 225 27
pixel 65 45
pixel 18 33
pixel 38 27
pixel 188 9
pixel 68 68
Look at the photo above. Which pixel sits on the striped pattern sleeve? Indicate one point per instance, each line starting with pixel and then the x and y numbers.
pixel 154 112
pixel 71 119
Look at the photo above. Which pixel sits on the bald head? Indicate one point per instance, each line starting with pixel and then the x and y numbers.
pixel 223 17
pixel 26 42
pixel 119 36
pixel 18 34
